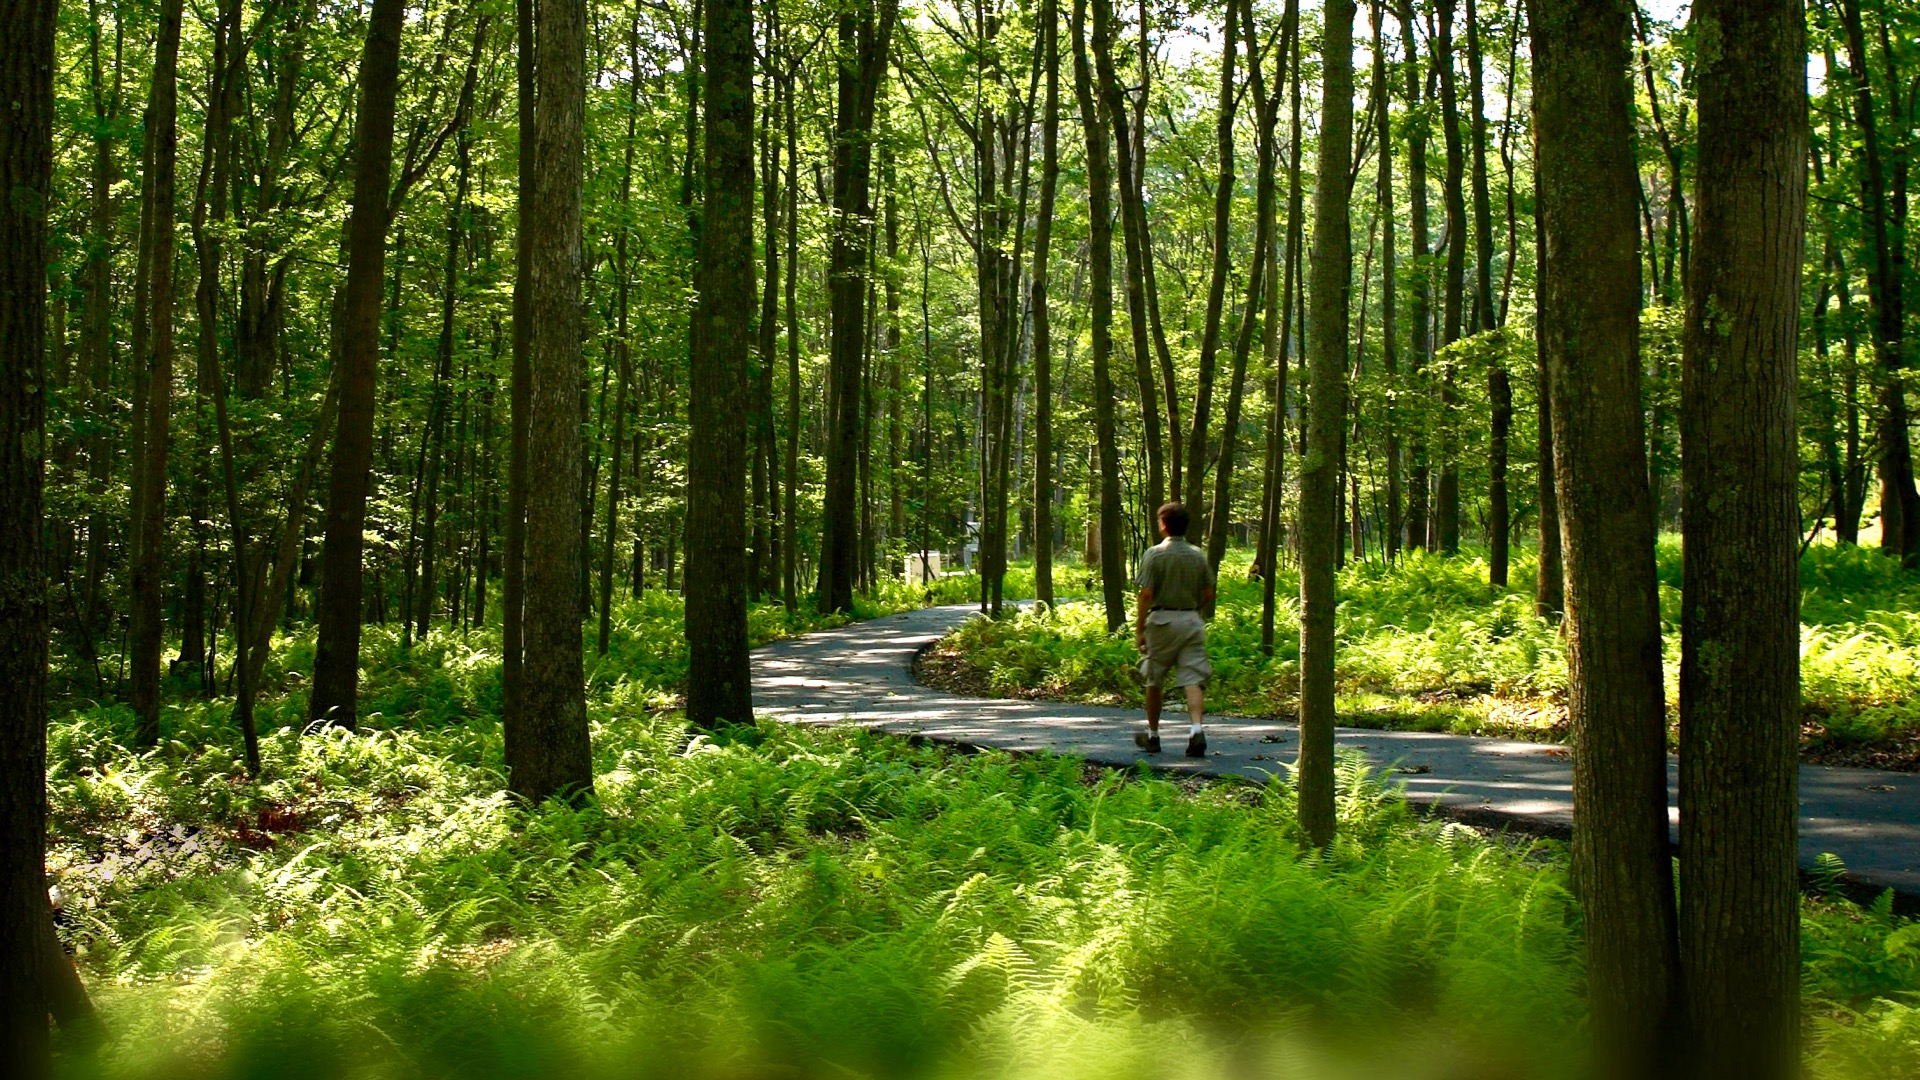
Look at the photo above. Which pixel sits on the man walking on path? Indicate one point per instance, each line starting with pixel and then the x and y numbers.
pixel 1176 584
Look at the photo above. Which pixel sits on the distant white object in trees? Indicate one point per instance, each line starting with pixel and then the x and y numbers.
pixel 922 568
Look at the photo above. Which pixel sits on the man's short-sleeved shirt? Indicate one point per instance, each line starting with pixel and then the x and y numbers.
pixel 1177 572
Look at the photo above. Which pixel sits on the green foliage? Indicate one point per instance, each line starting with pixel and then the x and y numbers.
pixel 1427 643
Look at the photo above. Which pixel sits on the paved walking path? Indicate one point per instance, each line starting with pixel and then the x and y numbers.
pixel 862 674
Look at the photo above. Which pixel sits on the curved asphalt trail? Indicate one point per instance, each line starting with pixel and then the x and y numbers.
pixel 863 674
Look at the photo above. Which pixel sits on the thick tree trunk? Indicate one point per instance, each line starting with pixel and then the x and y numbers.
pixel 1332 268
pixel 26 171
pixel 1100 253
pixel 336 662
pixel 718 686
pixel 555 759
pixel 153 393
pixel 1740 644
pixel 1622 862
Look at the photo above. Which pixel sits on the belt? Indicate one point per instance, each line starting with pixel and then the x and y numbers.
pixel 1159 608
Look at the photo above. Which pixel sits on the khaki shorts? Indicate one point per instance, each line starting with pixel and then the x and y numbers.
pixel 1177 643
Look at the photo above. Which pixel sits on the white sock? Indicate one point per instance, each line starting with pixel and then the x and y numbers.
pixel 1194 731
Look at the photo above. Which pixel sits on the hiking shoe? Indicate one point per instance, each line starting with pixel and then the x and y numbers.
pixel 1149 743
pixel 1197 744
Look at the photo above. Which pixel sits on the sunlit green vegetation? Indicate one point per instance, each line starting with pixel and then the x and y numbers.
pixel 778 901
pixel 1428 644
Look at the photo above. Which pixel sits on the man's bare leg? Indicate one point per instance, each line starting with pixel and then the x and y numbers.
pixel 1155 695
pixel 1196 737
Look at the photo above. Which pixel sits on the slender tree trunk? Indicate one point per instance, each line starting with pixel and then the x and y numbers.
pixel 26 171
pixel 1499 386
pixel 555 759
pixel 1332 267
pixel 96 341
pixel 1740 644
pixel 861 59
pixel 515 730
pixel 1223 192
pixel 1278 343
pixel 1389 284
pixel 1133 229
pixel 789 548
pixel 153 355
pixel 336 663
pixel 764 567
pixel 718 686
pixel 1446 510
pixel 1420 305
pixel 1042 317
pixel 1899 500
pixel 1549 590
pixel 1622 862
pixel 1100 253
pixel 624 344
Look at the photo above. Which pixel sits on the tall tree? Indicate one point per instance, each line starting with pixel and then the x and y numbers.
pixel 1223 192
pixel 1389 281
pixel 153 374
pixel 549 755
pixel 1740 634
pixel 336 659
pixel 1042 315
pixel 1886 274
pixel 1446 497
pixel 1100 256
pixel 513 575
pixel 1332 268
pixel 1420 304
pixel 1622 862
pixel 1499 386
pixel 863 32
pixel 26 174
pixel 718 686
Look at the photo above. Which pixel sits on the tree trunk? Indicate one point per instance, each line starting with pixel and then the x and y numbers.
pixel 26 172
pixel 153 393
pixel 1100 253
pixel 1042 317
pixel 1223 191
pixel 1389 283
pixel 555 759
pixel 624 345
pixel 1499 387
pixel 1133 230
pixel 1332 267
pixel 513 577
pixel 1622 863
pixel 718 687
pixel 1899 500
pixel 763 568
pixel 789 548
pixel 1549 590
pixel 1446 509
pixel 1420 306
pixel 862 52
pixel 1279 343
pixel 1740 644
pixel 336 662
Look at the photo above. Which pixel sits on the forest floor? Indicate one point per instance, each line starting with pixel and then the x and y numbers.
pixel 1428 645
pixel 782 900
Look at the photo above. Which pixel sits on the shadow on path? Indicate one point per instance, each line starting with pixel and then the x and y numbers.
pixel 863 674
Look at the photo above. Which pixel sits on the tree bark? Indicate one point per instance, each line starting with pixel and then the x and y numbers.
pixel 1446 508
pixel 1389 282
pixel 861 58
pixel 26 173
pixel 336 662
pixel 1332 267
pixel 1499 386
pixel 1740 644
pixel 1223 191
pixel 1549 590
pixel 1042 318
pixel 555 759
pixel 718 686
pixel 1622 862
pixel 1100 254
pixel 1420 306
pixel 513 575
pixel 1279 343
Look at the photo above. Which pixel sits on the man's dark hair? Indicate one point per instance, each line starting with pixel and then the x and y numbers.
pixel 1175 517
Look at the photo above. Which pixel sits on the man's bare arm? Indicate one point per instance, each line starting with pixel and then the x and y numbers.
pixel 1141 606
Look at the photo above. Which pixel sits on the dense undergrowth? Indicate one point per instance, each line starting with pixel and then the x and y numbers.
pixel 771 901
pixel 1428 644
